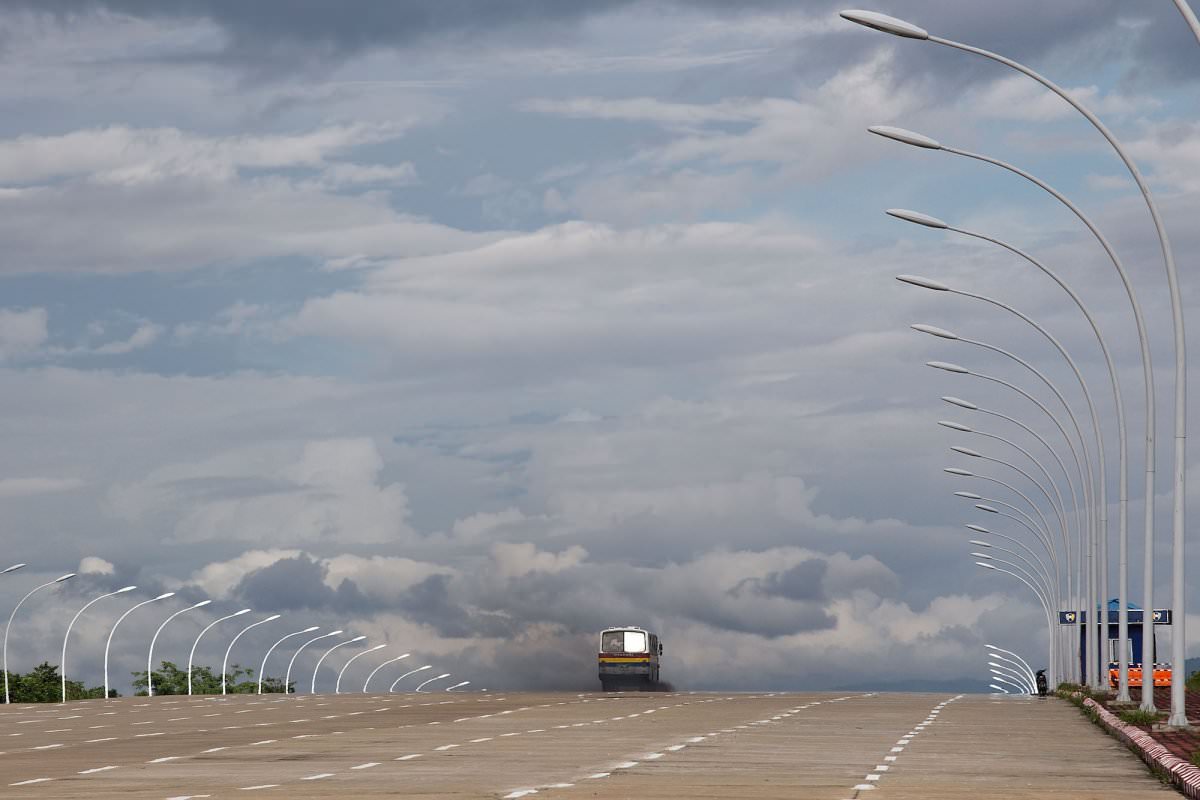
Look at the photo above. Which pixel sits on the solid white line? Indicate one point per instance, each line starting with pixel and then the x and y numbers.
pixel 164 759
pixel 260 786
pixel 367 765
pixel 409 757
pixel 31 780
pixel 96 769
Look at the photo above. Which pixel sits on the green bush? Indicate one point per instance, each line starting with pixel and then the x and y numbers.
pixel 1137 716
pixel 1195 759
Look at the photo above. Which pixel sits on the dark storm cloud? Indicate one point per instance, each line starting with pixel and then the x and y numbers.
pixel 274 35
pixel 298 583
pixel 801 582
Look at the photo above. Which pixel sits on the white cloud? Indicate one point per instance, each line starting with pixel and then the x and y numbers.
pixel 93 565
pixel 22 333
pixel 516 559
pixel 219 578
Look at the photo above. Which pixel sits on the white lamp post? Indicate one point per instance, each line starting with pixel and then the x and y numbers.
pixel 63 661
pixel 909 137
pixel 195 644
pixel 120 619
pixel 59 579
pixel 287 678
pixel 317 668
pixel 999 689
pixel 1013 658
pixel 381 666
pixel 228 650
pixel 263 669
pixel 1042 600
pixel 1193 23
pixel 337 687
pixel 154 638
pixel 392 688
pixel 887 24
pixel 431 680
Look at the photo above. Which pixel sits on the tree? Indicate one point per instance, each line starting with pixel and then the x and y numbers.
pixel 43 684
pixel 170 679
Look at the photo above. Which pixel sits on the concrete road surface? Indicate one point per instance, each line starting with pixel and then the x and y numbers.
pixel 800 745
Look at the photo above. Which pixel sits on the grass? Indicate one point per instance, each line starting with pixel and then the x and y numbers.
pixel 1137 716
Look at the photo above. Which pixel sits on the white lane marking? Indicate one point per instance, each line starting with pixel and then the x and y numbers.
pixel 96 769
pixel 260 786
pixel 651 756
pixel 482 739
pixel 598 775
pixel 264 741
pixel 676 747
pixel 31 780
pixel 696 739
pixel 625 765
pixel 144 735
pixel 882 767
pixel 520 793
pixel 409 757
pixel 105 739
pixel 46 747
pixel 164 759
pixel 367 765
pixel 446 747
pixel 317 777
pixel 214 749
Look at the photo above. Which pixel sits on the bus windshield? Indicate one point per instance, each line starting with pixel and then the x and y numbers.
pixel 623 642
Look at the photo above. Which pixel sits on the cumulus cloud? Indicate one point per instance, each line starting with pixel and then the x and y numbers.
pixel 93 565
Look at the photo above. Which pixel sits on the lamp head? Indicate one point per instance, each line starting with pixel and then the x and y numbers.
pixel 969 495
pixel 443 675
pixel 983 555
pixel 239 613
pixel 986 508
pixel 905 136
pixel 917 218
pixel 933 330
pixel 991 647
pixel 882 22
pixel 958 401
pixel 966 451
pixel 948 367
pixel 356 639
pixel 202 604
pixel 165 595
pixel 962 473
pixel 422 669
pixel 272 618
pixel 66 577
pixel 376 647
pixel 924 283
pixel 13 568
pixel 955 426
pixel 977 528
pixel 124 589
pixel 979 543
pixel 985 565
pixel 310 630
pixel 334 633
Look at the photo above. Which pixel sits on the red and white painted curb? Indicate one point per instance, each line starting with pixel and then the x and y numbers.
pixel 1183 776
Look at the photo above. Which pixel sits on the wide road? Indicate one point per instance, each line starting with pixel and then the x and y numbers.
pixel 679 745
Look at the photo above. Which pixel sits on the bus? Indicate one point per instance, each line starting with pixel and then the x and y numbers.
pixel 629 659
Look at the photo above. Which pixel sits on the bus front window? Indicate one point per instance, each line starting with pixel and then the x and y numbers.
pixel 613 642
pixel 635 642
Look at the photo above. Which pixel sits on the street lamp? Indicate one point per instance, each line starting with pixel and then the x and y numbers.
pixel 317 668
pixel 887 24
pixel 287 677
pixel 263 669
pixel 337 687
pixel 405 675
pixel 1193 23
pixel 1013 658
pixel 13 568
pixel 381 666
pixel 431 680
pixel 1045 608
pixel 195 644
pixel 154 638
pixel 1122 437
pixel 1000 689
pixel 908 137
pixel 1035 565
pixel 63 661
pixel 59 579
pixel 120 619
pixel 228 650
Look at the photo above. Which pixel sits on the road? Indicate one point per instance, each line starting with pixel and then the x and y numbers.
pixel 677 745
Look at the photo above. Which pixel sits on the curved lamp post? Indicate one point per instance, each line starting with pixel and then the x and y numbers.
pixel 431 680
pixel 1041 600
pixel 1193 23
pixel 59 579
pixel 1007 677
pixel 405 675
pixel 887 24
pixel 998 689
pixel 154 638
pixel 1122 438
pixel 263 669
pixel 337 687
pixel 63 661
pixel 908 137
pixel 195 644
pixel 120 619
pixel 381 666
pixel 287 677
pixel 1013 659
pixel 228 650
pixel 317 668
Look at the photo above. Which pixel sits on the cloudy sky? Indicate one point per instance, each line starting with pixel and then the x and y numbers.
pixel 476 327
